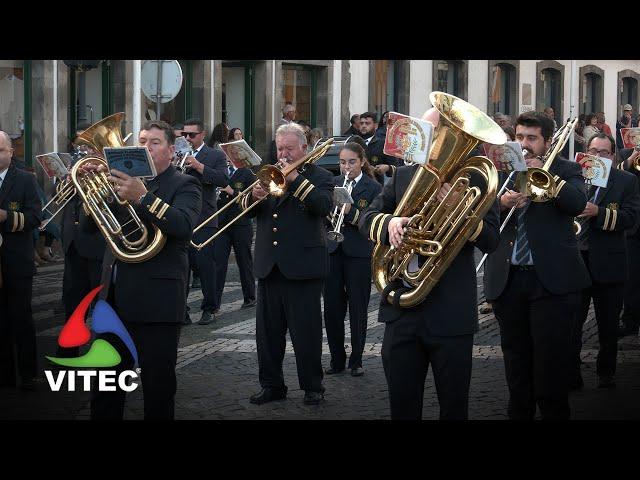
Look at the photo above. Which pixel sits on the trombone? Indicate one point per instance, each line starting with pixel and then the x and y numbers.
pixel 273 178
pixel 338 218
pixel 539 183
pixel 65 191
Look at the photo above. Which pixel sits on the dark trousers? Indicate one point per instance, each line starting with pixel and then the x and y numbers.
pixel 239 237
pixel 17 330
pixel 157 347
pixel 407 351
pixel 349 283
pixel 631 315
pixel 81 275
pixel 607 302
pixel 206 268
pixel 535 331
pixel 292 304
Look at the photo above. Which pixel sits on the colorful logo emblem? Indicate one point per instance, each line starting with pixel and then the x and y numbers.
pixel 75 333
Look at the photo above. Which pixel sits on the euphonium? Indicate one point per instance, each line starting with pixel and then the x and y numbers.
pixel 130 240
pixel 439 230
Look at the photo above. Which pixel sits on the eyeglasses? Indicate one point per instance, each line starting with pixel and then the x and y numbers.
pixel 191 134
pixel 593 151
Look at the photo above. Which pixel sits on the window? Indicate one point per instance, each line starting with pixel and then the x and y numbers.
pixel 551 95
pixel 12 114
pixel 450 76
pixel 629 93
pixel 591 89
pixel 298 89
pixel 503 89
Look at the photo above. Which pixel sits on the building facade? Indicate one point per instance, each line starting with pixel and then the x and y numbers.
pixel 42 102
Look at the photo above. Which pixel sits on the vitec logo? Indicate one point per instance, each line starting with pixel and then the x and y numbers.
pixel 101 354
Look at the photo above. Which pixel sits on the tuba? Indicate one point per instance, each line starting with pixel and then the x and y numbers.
pixel 439 230
pixel 130 240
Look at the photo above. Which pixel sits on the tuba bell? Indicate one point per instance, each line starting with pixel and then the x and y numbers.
pixel 129 239
pixel 439 230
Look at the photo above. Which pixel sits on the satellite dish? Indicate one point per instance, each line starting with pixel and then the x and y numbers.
pixel 170 80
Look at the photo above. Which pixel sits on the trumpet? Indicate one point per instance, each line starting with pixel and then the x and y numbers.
pixel 273 178
pixel 338 218
pixel 183 150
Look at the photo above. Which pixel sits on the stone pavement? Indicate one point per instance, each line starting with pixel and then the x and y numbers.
pixel 217 371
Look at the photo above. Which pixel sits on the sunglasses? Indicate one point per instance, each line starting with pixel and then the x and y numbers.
pixel 191 134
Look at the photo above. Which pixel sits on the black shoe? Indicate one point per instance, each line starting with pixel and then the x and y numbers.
pixel 207 318
pixel 357 372
pixel 333 370
pixel 625 330
pixel 606 381
pixel 249 303
pixel 313 398
pixel 268 395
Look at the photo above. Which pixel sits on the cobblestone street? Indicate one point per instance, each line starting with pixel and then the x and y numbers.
pixel 217 371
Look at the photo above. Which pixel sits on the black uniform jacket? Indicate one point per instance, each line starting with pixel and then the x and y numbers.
pixel 618 211
pixel 376 156
pixel 215 174
pixel 19 197
pixel 239 181
pixel 89 244
pixel 290 230
pixel 451 308
pixel 155 290
pixel 551 236
pixel 355 244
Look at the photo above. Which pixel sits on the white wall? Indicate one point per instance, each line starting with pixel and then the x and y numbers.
pixel 233 78
pixel 477 89
pixel 337 96
pixel 359 91
pixel 421 80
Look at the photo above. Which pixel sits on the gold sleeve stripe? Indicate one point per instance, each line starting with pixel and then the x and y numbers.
pixel 156 203
pixel 304 183
pixel 162 211
pixel 560 185
pixel 374 224
pixel 476 234
pixel 21 222
pixel 307 191
pixel 355 217
pixel 15 222
pixel 556 178
pixel 379 231
pixel 614 220
pixel 605 225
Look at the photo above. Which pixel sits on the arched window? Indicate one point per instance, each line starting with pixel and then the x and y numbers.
pixel 389 86
pixel 628 90
pixel 591 89
pixel 450 76
pixel 550 87
pixel 503 87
